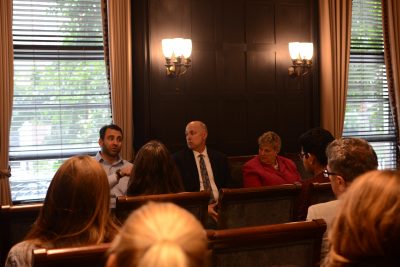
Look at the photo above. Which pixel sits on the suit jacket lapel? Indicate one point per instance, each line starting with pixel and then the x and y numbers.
pixel 194 174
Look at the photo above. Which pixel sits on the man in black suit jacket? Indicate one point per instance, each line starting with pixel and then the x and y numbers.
pixel 188 163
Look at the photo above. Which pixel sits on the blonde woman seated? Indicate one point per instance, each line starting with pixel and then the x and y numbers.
pixel 159 235
pixel 268 168
pixel 75 212
pixel 366 231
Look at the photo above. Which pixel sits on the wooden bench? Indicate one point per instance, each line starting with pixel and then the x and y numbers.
pixel 15 223
pixel 195 202
pixel 242 207
pixel 288 244
pixel 321 192
pixel 85 256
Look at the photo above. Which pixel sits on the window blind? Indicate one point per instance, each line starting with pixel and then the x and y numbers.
pixel 368 113
pixel 61 94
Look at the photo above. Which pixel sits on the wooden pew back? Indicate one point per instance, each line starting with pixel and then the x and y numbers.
pixel 194 202
pixel 321 192
pixel 85 256
pixel 15 223
pixel 257 206
pixel 289 244
pixel 235 165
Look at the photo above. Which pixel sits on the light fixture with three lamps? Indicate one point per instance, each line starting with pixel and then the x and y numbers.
pixel 301 55
pixel 177 53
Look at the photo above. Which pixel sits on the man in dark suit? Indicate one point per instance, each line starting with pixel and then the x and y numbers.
pixel 202 168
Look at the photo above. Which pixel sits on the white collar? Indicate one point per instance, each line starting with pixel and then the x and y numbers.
pixel 196 153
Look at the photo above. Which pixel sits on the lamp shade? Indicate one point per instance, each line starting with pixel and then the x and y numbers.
pixel 294 50
pixel 187 48
pixel 167 47
pixel 177 46
pixel 306 51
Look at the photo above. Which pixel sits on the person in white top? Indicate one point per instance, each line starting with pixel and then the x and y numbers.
pixel 118 170
pixel 366 231
pixel 347 159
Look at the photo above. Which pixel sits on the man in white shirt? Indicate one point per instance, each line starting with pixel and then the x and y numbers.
pixel 202 168
pixel 347 159
pixel 118 170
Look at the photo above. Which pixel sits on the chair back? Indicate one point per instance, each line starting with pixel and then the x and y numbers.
pixel 288 244
pixel 321 192
pixel 242 207
pixel 15 223
pixel 235 164
pixel 194 202
pixel 84 256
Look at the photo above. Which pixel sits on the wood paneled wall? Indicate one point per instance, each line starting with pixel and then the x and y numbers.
pixel 238 83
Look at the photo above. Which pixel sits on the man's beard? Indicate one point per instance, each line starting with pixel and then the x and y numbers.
pixel 109 152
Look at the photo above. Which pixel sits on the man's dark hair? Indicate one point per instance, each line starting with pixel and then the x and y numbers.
pixel 103 130
pixel 315 141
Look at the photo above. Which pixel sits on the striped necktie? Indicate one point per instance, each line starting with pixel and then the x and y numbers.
pixel 205 178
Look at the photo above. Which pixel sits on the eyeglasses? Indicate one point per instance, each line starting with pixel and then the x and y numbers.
pixel 326 173
pixel 302 155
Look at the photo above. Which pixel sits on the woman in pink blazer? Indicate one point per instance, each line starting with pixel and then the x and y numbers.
pixel 268 168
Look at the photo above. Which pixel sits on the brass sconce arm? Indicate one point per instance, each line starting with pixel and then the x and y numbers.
pixel 177 67
pixel 300 67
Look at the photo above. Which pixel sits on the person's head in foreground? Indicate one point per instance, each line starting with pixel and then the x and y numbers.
pixel 158 235
pixel 366 231
pixel 76 208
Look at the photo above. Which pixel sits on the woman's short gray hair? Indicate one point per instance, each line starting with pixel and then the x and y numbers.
pixel 270 139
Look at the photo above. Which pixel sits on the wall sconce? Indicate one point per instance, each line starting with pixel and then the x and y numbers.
pixel 177 53
pixel 301 54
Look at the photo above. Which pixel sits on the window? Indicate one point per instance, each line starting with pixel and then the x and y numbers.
pixel 368 113
pixel 61 94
